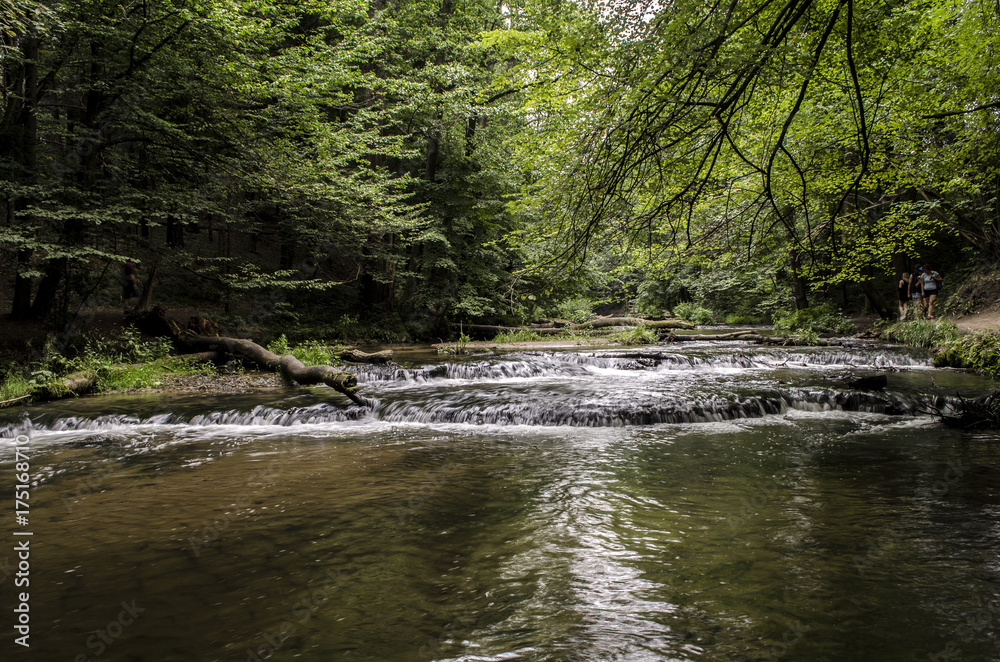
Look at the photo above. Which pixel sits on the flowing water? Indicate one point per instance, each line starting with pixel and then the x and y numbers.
pixel 714 502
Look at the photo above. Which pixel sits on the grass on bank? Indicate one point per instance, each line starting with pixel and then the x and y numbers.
pixel 15 386
pixel 521 335
pixel 979 351
pixel 465 345
pixel 636 335
pixel 311 352
pixel 122 363
pixel 919 333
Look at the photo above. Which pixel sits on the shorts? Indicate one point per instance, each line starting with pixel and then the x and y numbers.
pixel 917 296
pixel 929 293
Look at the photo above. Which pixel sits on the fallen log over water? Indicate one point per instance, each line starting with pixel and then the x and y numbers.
pixel 76 383
pixel 692 337
pixel 291 369
pixel 8 403
pixel 357 356
pixel 348 355
pixel 156 322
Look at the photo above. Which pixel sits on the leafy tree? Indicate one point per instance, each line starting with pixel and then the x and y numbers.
pixel 690 129
pixel 177 115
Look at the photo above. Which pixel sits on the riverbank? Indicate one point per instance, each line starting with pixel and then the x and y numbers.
pixel 972 353
pixel 241 382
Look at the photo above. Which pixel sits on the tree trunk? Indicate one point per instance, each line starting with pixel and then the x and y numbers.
pixel 875 299
pixel 433 149
pixel 147 289
pixel 291 368
pixel 357 356
pixel 21 305
pixel 48 288
pixel 799 286
pixel 900 264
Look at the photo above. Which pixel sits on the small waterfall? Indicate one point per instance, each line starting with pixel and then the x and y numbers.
pixel 258 416
pixel 582 389
pixel 470 371
pixel 651 411
pixel 606 412
pixel 869 359
pixel 568 364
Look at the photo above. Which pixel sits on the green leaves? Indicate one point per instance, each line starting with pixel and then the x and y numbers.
pixel 837 133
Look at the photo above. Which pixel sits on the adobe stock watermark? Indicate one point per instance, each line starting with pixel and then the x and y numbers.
pixel 791 636
pixel 879 546
pixel 974 623
pixel 212 529
pixel 23 455
pixel 764 494
pixel 85 486
pixel 102 639
pixel 298 615
pixel 418 498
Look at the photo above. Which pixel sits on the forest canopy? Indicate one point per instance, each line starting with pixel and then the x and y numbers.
pixel 410 164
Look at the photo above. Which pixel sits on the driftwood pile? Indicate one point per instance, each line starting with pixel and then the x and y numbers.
pixel 981 413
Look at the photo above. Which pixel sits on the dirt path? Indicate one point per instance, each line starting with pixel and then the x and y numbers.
pixel 989 319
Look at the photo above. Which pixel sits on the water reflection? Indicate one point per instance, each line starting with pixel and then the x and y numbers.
pixel 807 533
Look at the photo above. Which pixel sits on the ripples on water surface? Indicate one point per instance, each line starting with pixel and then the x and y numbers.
pixel 708 503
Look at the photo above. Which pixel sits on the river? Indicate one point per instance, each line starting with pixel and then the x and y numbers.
pixel 709 502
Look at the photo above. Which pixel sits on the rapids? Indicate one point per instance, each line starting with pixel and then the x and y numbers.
pixel 713 502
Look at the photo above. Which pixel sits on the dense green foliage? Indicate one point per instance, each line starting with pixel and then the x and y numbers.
pixel 636 335
pixel 819 318
pixel 118 363
pixel 310 352
pixel 385 170
pixel 693 313
pixel 818 143
pixel 979 352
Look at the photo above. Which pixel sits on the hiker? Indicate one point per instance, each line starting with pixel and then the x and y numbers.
pixel 931 286
pixel 903 294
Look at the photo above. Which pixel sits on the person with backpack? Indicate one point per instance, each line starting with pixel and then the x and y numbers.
pixel 931 281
